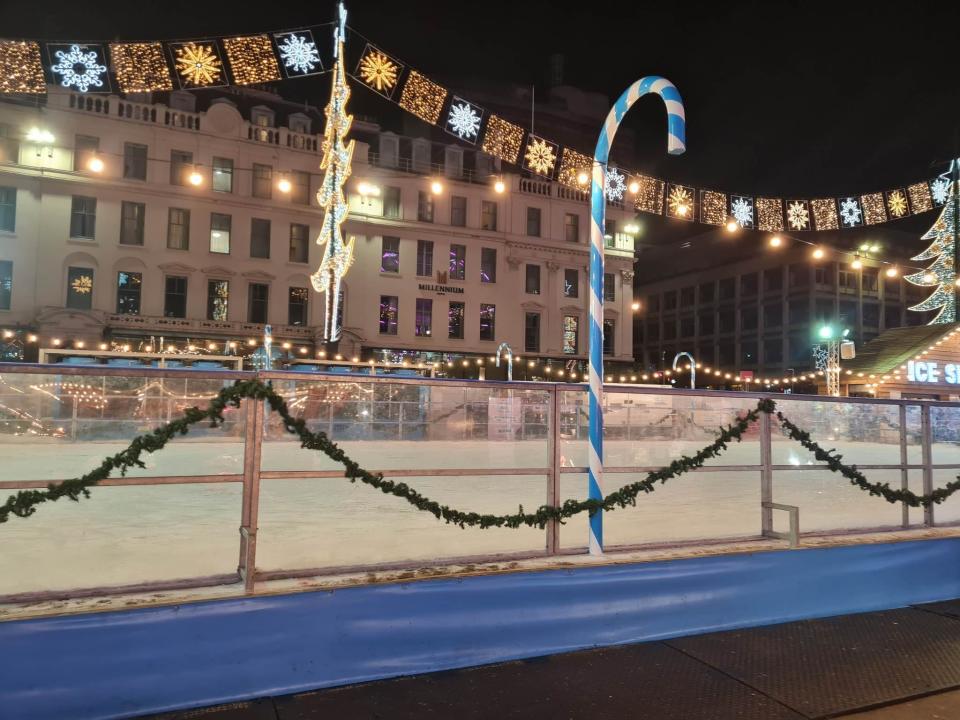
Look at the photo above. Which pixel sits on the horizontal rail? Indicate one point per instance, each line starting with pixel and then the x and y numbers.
pixel 128 481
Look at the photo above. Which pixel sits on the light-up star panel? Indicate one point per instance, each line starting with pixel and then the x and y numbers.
pixel 378 71
pixel 198 64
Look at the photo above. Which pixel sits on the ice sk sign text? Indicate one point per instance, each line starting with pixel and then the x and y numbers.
pixel 929 372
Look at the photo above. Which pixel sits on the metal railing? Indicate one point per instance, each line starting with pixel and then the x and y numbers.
pixel 474 445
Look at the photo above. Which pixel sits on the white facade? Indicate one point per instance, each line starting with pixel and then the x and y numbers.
pixel 42 242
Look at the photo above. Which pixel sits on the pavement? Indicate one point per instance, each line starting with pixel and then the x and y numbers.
pixel 901 664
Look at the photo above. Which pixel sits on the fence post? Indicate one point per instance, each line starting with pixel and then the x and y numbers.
pixel 250 507
pixel 766 476
pixel 927 447
pixel 904 472
pixel 553 475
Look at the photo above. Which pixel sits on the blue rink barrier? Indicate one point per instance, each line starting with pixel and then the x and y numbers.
pixel 119 664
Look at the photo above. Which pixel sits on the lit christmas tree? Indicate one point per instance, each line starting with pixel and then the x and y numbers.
pixel 337 255
pixel 942 274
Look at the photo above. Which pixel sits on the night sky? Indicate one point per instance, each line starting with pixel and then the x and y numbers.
pixel 785 99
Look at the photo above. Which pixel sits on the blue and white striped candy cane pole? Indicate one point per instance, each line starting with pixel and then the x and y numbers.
pixel 676 144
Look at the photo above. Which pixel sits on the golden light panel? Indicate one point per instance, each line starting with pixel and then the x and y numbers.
pixel 680 202
pixel 713 207
pixel 198 64
pixel 140 67
pixel 897 204
pixel 502 139
pixel 874 209
pixel 21 69
pixel 769 214
pixel 920 199
pixel 825 213
pixel 379 71
pixel 572 164
pixel 422 97
pixel 650 195
pixel 251 59
pixel 540 156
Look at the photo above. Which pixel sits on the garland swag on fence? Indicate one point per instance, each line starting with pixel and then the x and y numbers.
pixel 24 503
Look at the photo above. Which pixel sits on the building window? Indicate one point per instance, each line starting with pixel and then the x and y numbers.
pixel 257 301
pixel 609 336
pixel 299 243
pixel 687 326
pixel 222 175
pixel 728 288
pixel 748 352
pixel 749 284
pixel 870 280
pixel 259 238
pixel 799 311
pixel 670 327
pixel 425 207
pixel 391 203
pixel 455 316
pixel 128 292
pixel 175 297
pixel 131 223
pixel 458 211
pixel 487 321
pixel 85 148
pixel 571 227
pixel 749 319
pixel 531 332
pixel 571 283
pixel 891 314
pixel 262 181
pixel 669 297
pixel 218 298
pixel 297 306
pixel 533 222
pixel 181 164
pixel 609 287
pixel 727 321
pixel 488 215
pixel 772 351
pixel 424 318
pixel 773 280
pixel 178 229
pixel 687 298
pixel 707 322
pixel 773 315
pixel 871 314
pixel 390 255
pixel 823 275
pixel 533 280
pixel 707 292
pixel 388 314
pixel 83 217
pixel 134 161
pixel 220 233
pixel 8 209
pixel 6 284
pixel 425 258
pixel 848 281
pixel 80 288
pixel 571 334
pixel 488 265
pixel 300 189
pixel 799 275
pixel 458 262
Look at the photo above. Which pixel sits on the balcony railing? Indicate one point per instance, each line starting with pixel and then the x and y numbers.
pixel 148 323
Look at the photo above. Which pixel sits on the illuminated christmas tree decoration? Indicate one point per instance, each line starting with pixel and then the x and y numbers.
pixel 798 215
pixel 298 53
pixel 197 64
pixel 140 67
pixel 540 156
pixel 680 202
pixel 502 139
pixel 942 274
pixel 713 208
pixel 920 199
pixel 21 68
pixel 572 164
pixel 422 97
pixel 825 214
pixel 463 120
pixel 850 212
pixel 337 156
pixel 614 185
pixel 769 214
pixel 650 196
pixel 379 71
pixel 742 210
pixel 938 190
pixel 251 59
pixel 79 67
pixel 874 208
pixel 897 204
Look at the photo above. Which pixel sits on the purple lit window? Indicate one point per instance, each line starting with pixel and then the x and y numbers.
pixel 455 320
pixel 424 318
pixel 488 265
pixel 388 314
pixel 390 255
pixel 458 262
pixel 487 321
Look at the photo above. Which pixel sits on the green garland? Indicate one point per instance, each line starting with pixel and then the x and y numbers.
pixel 25 502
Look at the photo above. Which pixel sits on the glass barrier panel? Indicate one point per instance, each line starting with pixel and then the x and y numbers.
pixel 945 435
pixel 331 522
pixel 914 435
pixel 122 536
pixel 949 510
pixel 828 501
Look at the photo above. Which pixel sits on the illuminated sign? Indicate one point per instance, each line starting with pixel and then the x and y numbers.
pixel 930 372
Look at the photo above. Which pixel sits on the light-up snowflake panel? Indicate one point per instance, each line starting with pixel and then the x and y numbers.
pixel 80 67
pixel 741 207
pixel 298 52
pixel 463 120
pixel 851 215
pixel 798 215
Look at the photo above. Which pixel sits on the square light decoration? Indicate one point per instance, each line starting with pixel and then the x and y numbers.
pixel 198 64
pixel 874 208
pixel 378 71
pixel 798 215
pixel 651 194
pixel 769 214
pixel 251 59
pixel 681 202
pixel 21 68
pixel 502 139
pixel 298 53
pixel 713 207
pixel 423 97
pixel 82 68
pixel 540 156
pixel 897 203
pixel 920 199
pixel 572 164
pixel 825 214
pixel 743 210
pixel 851 212
pixel 463 120
pixel 140 67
